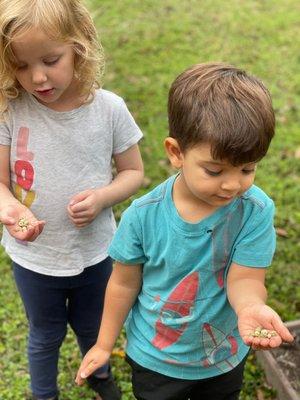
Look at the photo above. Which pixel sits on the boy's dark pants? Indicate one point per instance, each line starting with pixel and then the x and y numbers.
pixel 53 302
pixel 150 385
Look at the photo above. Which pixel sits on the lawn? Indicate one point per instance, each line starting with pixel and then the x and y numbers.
pixel 147 44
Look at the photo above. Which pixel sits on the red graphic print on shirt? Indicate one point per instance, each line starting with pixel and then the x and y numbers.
pixel 221 349
pixel 24 169
pixel 172 322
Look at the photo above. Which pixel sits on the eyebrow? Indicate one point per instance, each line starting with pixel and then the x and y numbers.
pixel 213 162
pixel 220 164
pixel 48 55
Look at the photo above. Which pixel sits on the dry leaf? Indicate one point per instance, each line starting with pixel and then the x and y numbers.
pixel 281 232
pixel 297 153
pixel 147 182
pixel 119 353
pixel 260 395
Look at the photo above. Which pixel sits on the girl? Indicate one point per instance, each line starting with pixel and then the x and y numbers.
pixel 58 134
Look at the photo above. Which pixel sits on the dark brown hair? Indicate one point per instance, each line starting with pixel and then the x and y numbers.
pixel 219 104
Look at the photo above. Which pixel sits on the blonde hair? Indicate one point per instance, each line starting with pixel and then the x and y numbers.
pixel 67 21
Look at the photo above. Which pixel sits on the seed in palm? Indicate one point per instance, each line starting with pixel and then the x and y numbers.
pixel 263 333
pixel 23 224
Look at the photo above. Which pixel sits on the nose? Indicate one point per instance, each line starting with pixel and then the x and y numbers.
pixel 38 76
pixel 231 185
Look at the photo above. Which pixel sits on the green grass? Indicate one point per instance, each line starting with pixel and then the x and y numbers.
pixel 147 44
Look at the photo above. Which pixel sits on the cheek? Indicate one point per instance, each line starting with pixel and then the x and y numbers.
pixel 22 78
pixel 204 184
pixel 64 73
pixel 248 182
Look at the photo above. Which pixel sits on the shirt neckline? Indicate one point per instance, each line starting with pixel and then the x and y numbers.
pixel 57 114
pixel 194 228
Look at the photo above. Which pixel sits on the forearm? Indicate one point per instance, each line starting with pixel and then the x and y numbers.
pixel 120 296
pixel 125 184
pixel 245 292
pixel 6 196
pixel 245 286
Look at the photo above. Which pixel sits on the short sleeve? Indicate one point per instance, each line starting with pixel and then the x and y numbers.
pixel 5 137
pixel 126 246
pixel 126 132
pixel 256 243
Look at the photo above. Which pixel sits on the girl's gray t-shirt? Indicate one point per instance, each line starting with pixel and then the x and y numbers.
pixel 55 155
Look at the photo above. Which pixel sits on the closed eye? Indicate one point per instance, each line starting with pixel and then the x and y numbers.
pixel 21 66
pixel 248 171
pixel 212 173
pixel 51 62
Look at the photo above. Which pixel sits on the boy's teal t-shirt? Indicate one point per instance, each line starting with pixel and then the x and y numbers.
pixel 182 324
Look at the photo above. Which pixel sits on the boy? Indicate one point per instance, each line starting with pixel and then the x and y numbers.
pixel 191 254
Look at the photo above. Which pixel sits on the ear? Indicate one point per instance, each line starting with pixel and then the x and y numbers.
pixel 173 152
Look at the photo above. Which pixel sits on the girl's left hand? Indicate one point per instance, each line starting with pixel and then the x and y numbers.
pixel 84 207
pixel 261 315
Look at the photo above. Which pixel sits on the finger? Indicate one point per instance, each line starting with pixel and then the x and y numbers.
pixel 79 197
pixel 266 342
pixel 89 369
pixel 31 234
pixel 275 342
pixel 80 223
pixel 78 380
pixel 281 329
pixel 38 226
pixel 7 220
pixel 85 370
pixel 34 230
pixel 41 225
pixel 83 206
pixel 83 225
pixel 80 214
pixel 248 340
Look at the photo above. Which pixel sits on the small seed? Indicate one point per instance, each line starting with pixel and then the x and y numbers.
pixel 23 224
pixel 263 333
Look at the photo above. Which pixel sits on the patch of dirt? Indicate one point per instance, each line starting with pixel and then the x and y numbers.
pixel 288 359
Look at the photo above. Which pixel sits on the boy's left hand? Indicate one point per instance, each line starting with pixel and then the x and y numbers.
pixel 84 207
pixel 261 315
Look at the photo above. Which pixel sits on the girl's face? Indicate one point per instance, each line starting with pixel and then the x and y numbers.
pixel 45 68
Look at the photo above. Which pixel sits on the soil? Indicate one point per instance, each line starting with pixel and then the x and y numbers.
pixel 288 358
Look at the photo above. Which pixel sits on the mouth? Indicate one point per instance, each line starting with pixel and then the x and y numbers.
pixel 44 92
pixel 226 198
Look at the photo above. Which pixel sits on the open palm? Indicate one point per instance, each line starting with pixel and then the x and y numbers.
pixel 261 315
pixel 11 216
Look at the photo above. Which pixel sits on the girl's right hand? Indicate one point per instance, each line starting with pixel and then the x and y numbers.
pixel 11 215
pixel 94 359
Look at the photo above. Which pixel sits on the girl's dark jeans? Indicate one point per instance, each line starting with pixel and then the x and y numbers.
pixel 53 302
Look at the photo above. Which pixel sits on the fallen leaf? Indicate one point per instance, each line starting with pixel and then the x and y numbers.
pixel 260 395
pixel 281 232
pixel 297 153
pixel 147 182
pixel 119 353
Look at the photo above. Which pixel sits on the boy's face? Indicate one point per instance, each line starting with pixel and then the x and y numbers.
pixel 206 182
pixel 45 68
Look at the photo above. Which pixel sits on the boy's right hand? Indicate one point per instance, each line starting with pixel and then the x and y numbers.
pixel 10 217
pixel 94 359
